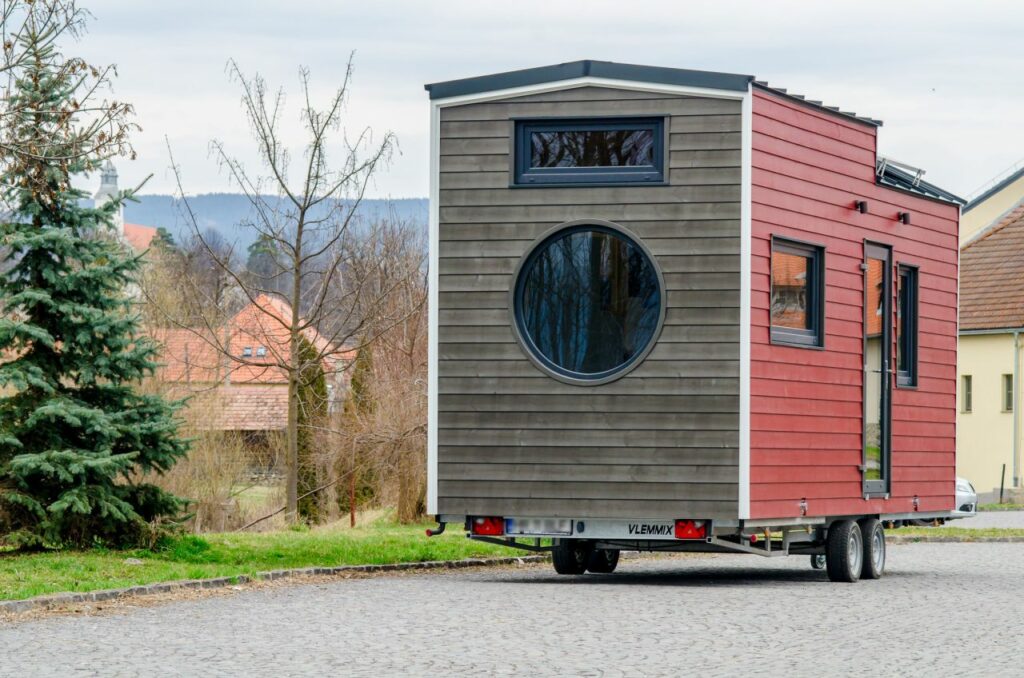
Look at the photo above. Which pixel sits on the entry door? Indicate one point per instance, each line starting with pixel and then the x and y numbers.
pixel 877 359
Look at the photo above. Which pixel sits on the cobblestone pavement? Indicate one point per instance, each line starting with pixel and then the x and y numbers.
pixel 941 609
pixel 1002 519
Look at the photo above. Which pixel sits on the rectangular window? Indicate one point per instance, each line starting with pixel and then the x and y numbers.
pixel 906 326
pixel 247 352
pixel 1007 393
pixel 590 151
pixel 966 395
pixel 798 293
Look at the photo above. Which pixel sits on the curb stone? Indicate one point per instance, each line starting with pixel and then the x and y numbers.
pixel 63 599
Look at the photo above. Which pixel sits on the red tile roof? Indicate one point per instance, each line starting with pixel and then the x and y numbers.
pixel 139 237
pixel 992 276
pixel 192 355
pixel 245 392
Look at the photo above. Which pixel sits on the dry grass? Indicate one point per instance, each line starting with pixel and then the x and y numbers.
pixel 226 479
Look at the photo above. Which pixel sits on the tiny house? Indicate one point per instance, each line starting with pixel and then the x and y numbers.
pixel 683 310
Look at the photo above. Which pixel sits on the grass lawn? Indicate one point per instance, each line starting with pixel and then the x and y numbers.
pixel 223 555
pixel 1001 507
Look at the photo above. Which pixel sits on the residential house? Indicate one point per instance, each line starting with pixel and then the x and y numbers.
pixel 989 347
pixel 235 370
pixel 989 207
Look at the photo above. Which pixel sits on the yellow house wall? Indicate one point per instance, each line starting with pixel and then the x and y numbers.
pixel 994 207
pixel 984 436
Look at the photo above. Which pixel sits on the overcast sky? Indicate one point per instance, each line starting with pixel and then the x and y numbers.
pixel 949 83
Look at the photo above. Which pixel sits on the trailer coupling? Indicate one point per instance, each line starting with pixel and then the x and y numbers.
pixel 437 530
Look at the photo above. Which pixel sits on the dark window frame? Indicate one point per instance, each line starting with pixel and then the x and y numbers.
pixel 813 337
pixel 1006 384
pixel 908 331
pixel 526 342
pixel 966 393
pixel 523 175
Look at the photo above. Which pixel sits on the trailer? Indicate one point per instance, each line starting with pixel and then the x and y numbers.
pixel 677 310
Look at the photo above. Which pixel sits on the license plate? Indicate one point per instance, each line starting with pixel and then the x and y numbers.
pixel 538 526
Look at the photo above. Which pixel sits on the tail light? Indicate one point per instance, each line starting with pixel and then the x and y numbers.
pixel 488 527
pixel 691 529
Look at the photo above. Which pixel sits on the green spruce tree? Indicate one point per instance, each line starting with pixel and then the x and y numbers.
pixel 76 434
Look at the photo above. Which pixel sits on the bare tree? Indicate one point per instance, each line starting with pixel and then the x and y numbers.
pixel 386 424
pixel 305 207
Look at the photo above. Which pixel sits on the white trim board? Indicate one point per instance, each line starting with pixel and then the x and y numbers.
pixel 590 82
pixel 433 280
pixel 746 235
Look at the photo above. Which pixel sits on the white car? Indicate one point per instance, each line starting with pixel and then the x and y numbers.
pixel 966 499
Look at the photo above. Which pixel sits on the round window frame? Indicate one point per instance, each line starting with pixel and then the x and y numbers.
pixel 526 343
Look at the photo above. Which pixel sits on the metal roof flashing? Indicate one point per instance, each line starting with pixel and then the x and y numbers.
pixel 896 178
pixel 1014 176
pixel 588 68
pixel 801 99
pixel 610 70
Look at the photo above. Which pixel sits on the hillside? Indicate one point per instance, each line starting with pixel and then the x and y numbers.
pixel 223 212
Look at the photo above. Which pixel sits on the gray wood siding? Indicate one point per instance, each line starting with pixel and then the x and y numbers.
pixel 660 442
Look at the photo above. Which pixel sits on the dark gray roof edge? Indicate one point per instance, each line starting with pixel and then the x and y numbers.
pixel 995 189
pixel 831 110
pixel 597 69
pixel 899 180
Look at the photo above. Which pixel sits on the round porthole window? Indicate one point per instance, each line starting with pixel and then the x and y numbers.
pixel 588 303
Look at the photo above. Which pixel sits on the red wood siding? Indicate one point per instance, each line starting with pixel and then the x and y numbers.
pixel 808 168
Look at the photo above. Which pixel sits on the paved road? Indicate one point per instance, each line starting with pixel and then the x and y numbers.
pixel 942 609
pixel 1000 519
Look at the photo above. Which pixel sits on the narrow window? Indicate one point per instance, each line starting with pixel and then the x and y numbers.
pixel 906 326
pixel 797 293
pixel 966 396
pixel 1007 393
pixel 590 151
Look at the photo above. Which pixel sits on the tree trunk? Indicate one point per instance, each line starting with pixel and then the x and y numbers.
pixel 292 453
pixel 295 373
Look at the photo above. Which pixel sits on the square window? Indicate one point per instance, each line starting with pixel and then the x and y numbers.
pixel 261 352
pixel 1007 393
pixel 247 352
pixel 797 293
pixel 906 326
pixel 966 393
pixel 590 151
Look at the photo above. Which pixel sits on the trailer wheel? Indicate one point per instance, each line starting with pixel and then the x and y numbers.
pixel 603 561
pixel 571 556
pixel 844 551
pixel 818 561
pixel 874 549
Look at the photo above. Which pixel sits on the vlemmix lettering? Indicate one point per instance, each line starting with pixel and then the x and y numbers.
pixel 660 530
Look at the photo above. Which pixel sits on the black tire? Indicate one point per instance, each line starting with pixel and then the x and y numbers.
pixel 874 549
pixel 844 551
pixel 571 556
pixel 818 561
pixel 603 561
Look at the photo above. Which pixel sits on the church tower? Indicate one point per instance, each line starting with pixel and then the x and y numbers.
pixel 107 191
